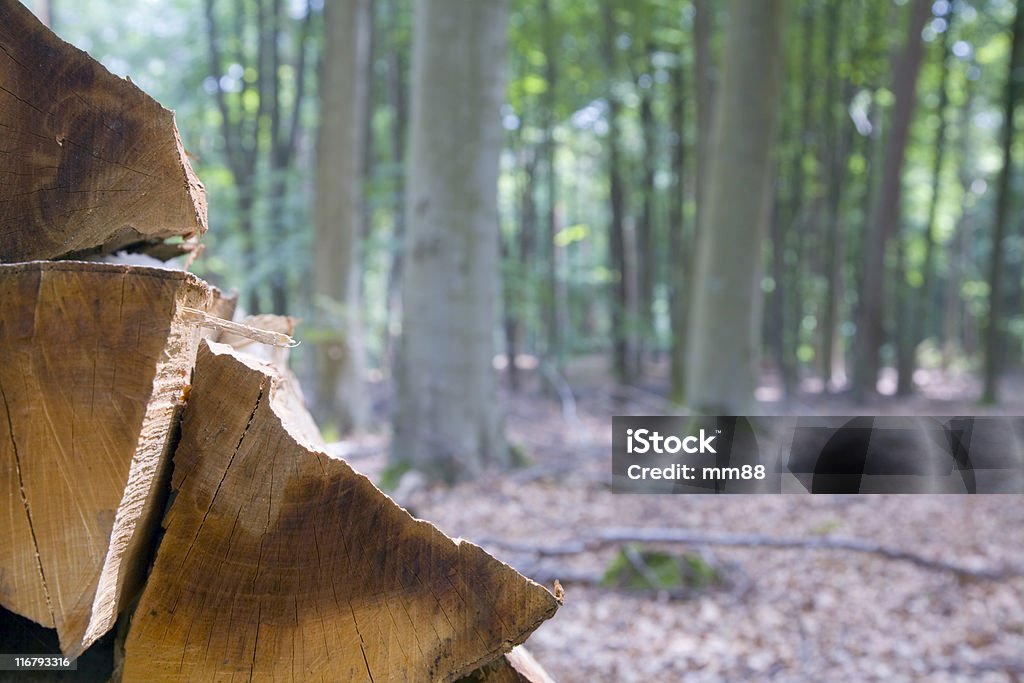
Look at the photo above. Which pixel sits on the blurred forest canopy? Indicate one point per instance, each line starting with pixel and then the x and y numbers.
pixel 893 239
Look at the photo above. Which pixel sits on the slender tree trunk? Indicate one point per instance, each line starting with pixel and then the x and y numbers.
pixel 554 294
pixel 904 322
pixel 961 323
pixel 994 327
pixel 796 230
pixel 868 144
pixel 885 213
pixel 953 310
pixel 510 321
pixel 777 302
pixel 241 147
pixel 280 156
pixel 341 399
pixel 527 258
pixel 927 297
pixel 369 106
pixel 681 257
pixel 248 228
pixel 645 233
pixel 397 101
pixel 913 324
pixel 837 145
pixel 725 327
pixel 620 263
pixel 511 247
pixel 447 423
pixel 618 247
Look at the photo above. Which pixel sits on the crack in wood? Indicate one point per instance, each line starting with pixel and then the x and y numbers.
pixel 259 397
pixel 24 502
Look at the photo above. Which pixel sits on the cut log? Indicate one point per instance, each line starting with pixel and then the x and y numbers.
pixel 281 562
pixel 95 360
pixel 88 162
pixel 518 666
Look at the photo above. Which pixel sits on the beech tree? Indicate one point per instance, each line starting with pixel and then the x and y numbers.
pixel 447 422
pixel 340 397
pixel 725 322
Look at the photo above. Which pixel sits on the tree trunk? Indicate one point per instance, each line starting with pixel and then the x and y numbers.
pixel 927 302
pixel 341 399
pixel 778 314
pixel 681 248
pixel 725 325
pixel 519 303
pixel 704 91
pixel 369 107
pixel 280 156
pixel 618 247
pixel 994 327
pixel 954 313
pixel 838 143
pixel 397 101
pixel 914 323
pixel 554 295
pixel 646 262
pixel 447 422
pixel 795 228
pixel 885 212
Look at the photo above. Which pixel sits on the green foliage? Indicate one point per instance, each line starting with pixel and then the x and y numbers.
pixel 519 455
pixel 393 474
pixel 634 568
pixel 559 89
pixel 827 527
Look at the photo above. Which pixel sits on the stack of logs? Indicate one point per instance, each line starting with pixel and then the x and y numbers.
pixel 166 486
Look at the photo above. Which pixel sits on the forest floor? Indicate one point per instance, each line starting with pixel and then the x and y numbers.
pixel 776 614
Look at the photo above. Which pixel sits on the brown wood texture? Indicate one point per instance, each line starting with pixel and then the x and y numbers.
pixel 517 666
pixel 88 162
pixel 281 562
pixel 94 365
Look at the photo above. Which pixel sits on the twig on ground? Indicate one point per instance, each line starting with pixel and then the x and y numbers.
pixel 601 539
pixel 1014 668
pixel 565 395
pixel 645 399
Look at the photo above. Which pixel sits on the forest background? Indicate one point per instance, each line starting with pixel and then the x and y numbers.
pixel 890 257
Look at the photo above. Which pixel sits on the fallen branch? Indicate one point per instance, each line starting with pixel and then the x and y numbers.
pixel 1010 667
pixel 565 395
pixel 609 537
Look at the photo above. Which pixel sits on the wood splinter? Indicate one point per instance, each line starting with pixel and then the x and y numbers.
pixel 269 337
